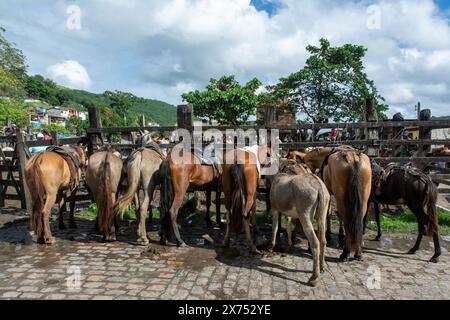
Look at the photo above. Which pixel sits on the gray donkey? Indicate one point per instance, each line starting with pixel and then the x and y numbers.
pixel 305 197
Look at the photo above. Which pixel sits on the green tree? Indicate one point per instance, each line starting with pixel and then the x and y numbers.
pixel 15 111
pixel 225 100
pixel 76 126
pixel 13 69
pixel 121 102
pixel 332 85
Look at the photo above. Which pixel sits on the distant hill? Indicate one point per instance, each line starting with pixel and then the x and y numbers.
pixel 441 118
pixel 154 110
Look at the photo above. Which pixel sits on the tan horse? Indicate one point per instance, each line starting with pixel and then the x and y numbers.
pixel 179 172
pixel 143 175
pixel 103 176
pixel 239 183
pixel 295 155
pixel 347 174
pixel 48 175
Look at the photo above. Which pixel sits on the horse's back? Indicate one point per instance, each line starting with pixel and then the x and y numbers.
pixel 96 166
pixel 55 172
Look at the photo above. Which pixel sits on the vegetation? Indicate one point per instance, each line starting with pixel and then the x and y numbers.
pixel 332 85
pixel 225 101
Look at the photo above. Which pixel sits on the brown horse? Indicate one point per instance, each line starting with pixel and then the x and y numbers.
pixel 48 175
pixel 295 155
pixel 347 174
pixel 240 181
pixel 179 172
pixel 412 187
pixel 142 175
pixel 103 176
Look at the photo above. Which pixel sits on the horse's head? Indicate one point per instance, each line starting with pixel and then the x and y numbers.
pixel 81 151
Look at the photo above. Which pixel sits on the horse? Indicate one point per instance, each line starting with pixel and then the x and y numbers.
pixel 142 175
pixel 411 187
pixel 295 155
pixel 103 176
pixel 48 174
pixel 305 197
pixel 347 174
pixel 180 171
pixel 240 181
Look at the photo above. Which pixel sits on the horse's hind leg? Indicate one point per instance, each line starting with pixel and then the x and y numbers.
pixel 46 234
pixel 143 208
pixel 416 247
pixel 61 199
pixel 72 223
pixel 377 219
pixel 437 248
pixel 208 207
pixel 218 205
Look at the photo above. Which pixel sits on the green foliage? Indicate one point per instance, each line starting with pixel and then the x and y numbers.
pixel 57 128
pixel 13 69
pixel 225 100
pixel 14 110
pixel 332 85
pixel 121 102
pixel 76 126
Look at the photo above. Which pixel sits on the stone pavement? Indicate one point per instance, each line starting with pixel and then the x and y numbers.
pixel 79 266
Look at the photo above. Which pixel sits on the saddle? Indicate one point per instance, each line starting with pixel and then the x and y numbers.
pixel 153 146
pixel 405 170
pixel 210 160
pixel 72 159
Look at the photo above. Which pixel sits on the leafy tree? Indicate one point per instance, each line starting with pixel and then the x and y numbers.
pixel 225 100
pixel 13 70
pixel 121 102
pixel 332 85
pixel 76 126
pixel 14 110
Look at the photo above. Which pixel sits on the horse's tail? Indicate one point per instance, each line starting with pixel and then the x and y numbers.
pixel 237 197
pixel 431 199
pixel 323 208
pixel 104 199
pixel 167 196
pixel 354 205
pixel 38 193
pixel 134 178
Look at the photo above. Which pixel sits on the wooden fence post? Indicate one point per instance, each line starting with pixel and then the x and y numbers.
pixel 55 138
pixel 185 118
pixel 424 132
pixel 25 192
pixel 372 133
pixel 95 122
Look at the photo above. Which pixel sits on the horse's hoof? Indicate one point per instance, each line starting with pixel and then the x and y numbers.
pixel 412 251
pixel 434 259
pixel 143 241
pixel 313 281
pixel 49 240
pixel 322 270
pixel 343 258
pixel 358 258
pixel 377 238
pixel 182 244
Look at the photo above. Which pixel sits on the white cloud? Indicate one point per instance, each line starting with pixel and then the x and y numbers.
pixel 160 48
pixel 70 73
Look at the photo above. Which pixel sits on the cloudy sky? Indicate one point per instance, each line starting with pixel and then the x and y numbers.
pixel 162 48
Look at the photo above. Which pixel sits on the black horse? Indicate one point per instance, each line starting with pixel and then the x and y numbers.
pixel 409 186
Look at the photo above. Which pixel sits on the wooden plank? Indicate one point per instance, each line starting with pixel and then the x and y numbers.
pixel 25 193
pixel 414 159
pixel 47 143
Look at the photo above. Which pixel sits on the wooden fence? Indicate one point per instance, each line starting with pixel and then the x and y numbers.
pixel 371 136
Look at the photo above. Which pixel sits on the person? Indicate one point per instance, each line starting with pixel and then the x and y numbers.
pixel 333 134
pixel 39 137
pixel 46 134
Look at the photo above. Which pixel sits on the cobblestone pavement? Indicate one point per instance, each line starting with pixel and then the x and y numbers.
pixel 124 270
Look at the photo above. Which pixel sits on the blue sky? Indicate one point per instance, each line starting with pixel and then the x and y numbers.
pixel 163 48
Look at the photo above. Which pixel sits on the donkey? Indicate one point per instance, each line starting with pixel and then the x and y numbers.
pixel 305 197
pixel 103 175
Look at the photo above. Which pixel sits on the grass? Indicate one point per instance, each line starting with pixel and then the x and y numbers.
pixel 405 221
